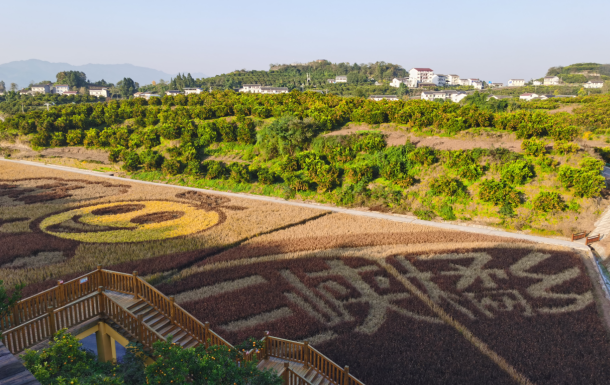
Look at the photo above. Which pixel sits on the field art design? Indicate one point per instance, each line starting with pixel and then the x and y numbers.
pixel 399 303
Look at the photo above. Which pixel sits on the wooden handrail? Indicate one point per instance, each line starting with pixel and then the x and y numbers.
pixel 290 377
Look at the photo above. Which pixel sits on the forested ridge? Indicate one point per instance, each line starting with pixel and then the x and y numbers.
pixel 280 148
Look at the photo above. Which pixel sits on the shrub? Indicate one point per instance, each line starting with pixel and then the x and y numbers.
pixel 424 214
pixel 517 172
pixel 592 164
pixel 150 138
pixel 265 176
pixel 498 192
pixel 369 142
pixel 239 172
pixel 170 131
pixel 227 130
pixel 287 135
pixel 447 186
pixel 151 160
pixel 547 164
pixel 58 139
pixel 193 168
pixel 564 148
pixel 75 137
pixel 506 210
pixel 470 172
pixel 423 155
pixel 564 133
pixel 587 181
pixel 208 133
pixel 446 212
pixel 171 167
pixel 533 147
pixel 548 201
pixel 359 172
pixel 246 132
pixel 132 161
pixel 214 169
pixel 91 138
pixel 295 181
pixel 604 153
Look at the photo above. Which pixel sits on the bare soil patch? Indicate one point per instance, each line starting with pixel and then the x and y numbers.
pixel 569 109
pixel 22 151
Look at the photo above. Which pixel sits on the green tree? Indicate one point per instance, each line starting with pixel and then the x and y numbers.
pixel 287 136
pixel 127 87
pixel 8 299
pixel 75 79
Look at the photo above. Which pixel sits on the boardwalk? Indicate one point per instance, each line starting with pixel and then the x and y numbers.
pixel 12 371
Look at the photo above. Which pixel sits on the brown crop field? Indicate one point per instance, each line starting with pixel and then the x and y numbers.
pixel 398 303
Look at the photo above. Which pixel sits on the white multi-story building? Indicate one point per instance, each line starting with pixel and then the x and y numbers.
pixel 477 84
pixel 496 85
pixel 41 89
pixel 453 80
pixel 516 82
pixel 396 82
pixel 420 75
pixel 383 97
pixel 98 91
pixel 537 82
pixel 68 93
pixel 341 79
pixel 61 88
pixel 251 88
pixel 454 96
pixel 594 84
pixel 172 93
pixel 551 80
pixel 193 90
pixel 439 80
pixel 274 90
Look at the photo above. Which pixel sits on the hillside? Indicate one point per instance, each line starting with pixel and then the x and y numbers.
pixel 25 71
pixel 580 72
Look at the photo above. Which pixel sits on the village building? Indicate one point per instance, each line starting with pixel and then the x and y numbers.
pixel 341 79
pixel 454 96
pixel 478 85
pixel 420 75
pixel 172 92
pixel 98 91
pixel 551 80
pixel 251 88
pixel 61 88
pixel 528 96
pixel 384 97
pixel 396 82
pixel 192 90
pixel 594 84
pixel 537 83
pixel 274 90
pixel 69 93
pixel 499 97
pixel 331 81
pixel 453 80
pixel 41 89
pixel 496 85
pixel 516 82
pixel 439 80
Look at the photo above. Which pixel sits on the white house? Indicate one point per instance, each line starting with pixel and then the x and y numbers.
pixel 439 80
pixel 61 88
pixel 194 90
pixel 252 88
pixel 537 82
pixel 496 85
pixel 420 75
pixel 274 90
pixel 341 79
pixel 551 80
pixel 499 97
pixel 396 82
pixel 516 82
pixel 98 91
pixel 172 92
pixel 464 82
pixel 383 97
pixel 528 96
pixel 594 84
pixel 478 85
pixel 453 80
pixel 454 96
pixel 25 92
pixel 331 81
pixel 68 93
pixel 41 89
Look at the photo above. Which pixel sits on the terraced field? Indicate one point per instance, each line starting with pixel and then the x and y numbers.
pixel 398 303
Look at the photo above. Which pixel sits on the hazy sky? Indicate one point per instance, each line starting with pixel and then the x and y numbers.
pixel 491 40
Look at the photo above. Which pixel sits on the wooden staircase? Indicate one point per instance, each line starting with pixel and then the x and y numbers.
pixel 139 312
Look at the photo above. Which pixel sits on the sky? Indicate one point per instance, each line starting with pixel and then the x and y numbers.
pixel 490 40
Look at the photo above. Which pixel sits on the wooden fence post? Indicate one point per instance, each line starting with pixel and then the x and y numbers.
pixel 52 325
pixel 346 375
pixel 135 285
pixel 140 328
pixel 306 354
pixel 172 309
pixel 266 347
pixel 285 373
pixel 101 302
pixel 206 331
pixel 60 294
pixel 100 275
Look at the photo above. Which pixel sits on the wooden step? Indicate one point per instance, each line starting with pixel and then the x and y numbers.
pixel 191 344
pixel 170 329
pixel 158 320
pixel 142 309
pixel 136 305
pixel 150 316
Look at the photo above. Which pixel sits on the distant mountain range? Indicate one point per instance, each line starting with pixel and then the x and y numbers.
pixel 25 71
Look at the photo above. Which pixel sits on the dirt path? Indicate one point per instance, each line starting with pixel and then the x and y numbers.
pixel 399 138
pixel 80 153
pixel 567 108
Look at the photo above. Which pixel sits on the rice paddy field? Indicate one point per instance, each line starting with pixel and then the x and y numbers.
pixel 399 303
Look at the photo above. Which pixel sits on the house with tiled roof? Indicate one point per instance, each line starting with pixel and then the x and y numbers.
pixel 596 83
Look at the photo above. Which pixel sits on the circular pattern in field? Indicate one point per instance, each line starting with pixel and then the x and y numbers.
pixel 129 222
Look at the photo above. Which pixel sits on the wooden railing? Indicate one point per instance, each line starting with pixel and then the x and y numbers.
pixel 38 317
pixel 301 352
pixel 577 236
pixel 292 378
pixel 593 238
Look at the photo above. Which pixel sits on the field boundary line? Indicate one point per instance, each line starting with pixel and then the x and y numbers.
pixel 318 206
